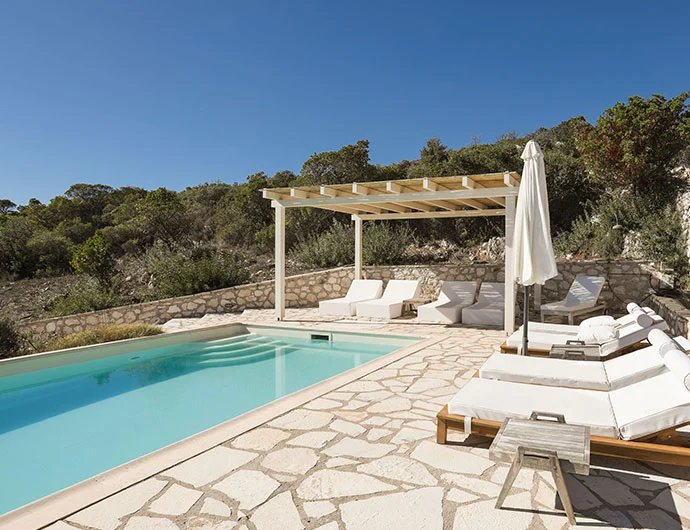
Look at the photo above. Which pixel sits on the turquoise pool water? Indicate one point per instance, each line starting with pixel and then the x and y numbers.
pixel 59 426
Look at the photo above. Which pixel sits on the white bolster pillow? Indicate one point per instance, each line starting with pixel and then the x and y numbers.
pixel 643 319
pixel 597 335
pixel 679 364
pixel 595 322
pixel 631 307
pixel 661 341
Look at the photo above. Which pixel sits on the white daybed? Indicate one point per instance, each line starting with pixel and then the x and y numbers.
pixel 489 309
pixel 606 375
pixel 582 298
pixel 359 291
pixel 637 421
pixel 391 303
pixel 452 299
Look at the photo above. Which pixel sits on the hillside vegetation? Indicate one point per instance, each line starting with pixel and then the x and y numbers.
pixel 129 244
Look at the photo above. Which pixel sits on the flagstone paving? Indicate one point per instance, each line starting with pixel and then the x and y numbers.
pixel 364 457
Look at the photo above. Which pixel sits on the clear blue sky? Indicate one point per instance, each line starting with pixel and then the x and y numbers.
pixel 168 93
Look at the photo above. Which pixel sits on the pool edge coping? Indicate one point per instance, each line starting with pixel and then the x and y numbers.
pixel 64 503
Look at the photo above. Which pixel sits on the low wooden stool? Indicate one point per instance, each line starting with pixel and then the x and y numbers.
pixel 544 445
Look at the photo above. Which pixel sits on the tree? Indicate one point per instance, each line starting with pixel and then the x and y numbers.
pixel 349 164
pixel 162 215
pixel 634 145
pixel 6 206
pixel 94 257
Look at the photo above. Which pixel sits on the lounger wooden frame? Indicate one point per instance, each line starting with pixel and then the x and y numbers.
pixel 665 447
pixel 535 352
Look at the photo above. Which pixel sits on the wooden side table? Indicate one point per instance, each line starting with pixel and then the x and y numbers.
pixel 411 305
pixel 544 445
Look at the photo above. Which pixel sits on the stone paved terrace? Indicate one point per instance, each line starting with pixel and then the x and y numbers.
pixel 364 457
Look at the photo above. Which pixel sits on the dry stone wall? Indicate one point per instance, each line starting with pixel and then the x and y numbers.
pixel 628 281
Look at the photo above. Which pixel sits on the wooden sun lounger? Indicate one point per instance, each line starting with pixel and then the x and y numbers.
pixel 665 447
pixel 506 348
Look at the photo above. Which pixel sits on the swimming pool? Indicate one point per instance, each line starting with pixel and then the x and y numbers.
pixel 63 424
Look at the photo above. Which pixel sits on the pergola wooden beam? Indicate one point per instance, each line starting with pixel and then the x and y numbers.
pixel 489 212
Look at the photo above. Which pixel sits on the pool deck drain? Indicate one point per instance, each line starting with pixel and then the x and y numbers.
pixel 364 457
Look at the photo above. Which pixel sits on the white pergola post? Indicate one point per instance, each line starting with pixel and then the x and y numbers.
pixel 280 261
pixel 509 323
pixel 358 247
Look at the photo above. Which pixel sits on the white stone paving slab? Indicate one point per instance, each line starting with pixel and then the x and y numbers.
pixel 399 468
pixel 318 509
pixel 412 510
pixel 332 483
pixel 302 420
pixel 261 439
pixel 314 439
pixel 106 514
pixel 358 448
pixel 150 523
pixel 297 460
pixel 175 501
pixel 249 487
pixel 215 507
pixel 450 458
pixel 279 513
pixel 210 466
pixel 347 427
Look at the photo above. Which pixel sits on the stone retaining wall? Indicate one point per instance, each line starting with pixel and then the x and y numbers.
pixel 675 313
pixel 628 280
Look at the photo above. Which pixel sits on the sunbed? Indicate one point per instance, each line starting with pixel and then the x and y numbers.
pixel 582 298
pixel 490 306
pixel 637 421
pixel 630 331
pixel 606 375
pixel 453 298
pixel 359 291
pixel 390 304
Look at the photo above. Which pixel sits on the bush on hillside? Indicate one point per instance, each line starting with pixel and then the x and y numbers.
pixel 333 248
pixel 82 297
pixel 385 243
pixel 12 341
pixel 102 335
pixel 49 253
pixel 164 272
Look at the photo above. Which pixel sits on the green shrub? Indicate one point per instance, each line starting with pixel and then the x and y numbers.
pixel 82 297
pixel 661 240
pixel 101 335
pixel 333 248
pixel 94 257
pixel 180 271
pixel 386 244
pixel 50 253
pixel 12 341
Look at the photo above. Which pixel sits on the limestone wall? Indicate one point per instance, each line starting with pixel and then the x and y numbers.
pixel 628 280
pixel 676 314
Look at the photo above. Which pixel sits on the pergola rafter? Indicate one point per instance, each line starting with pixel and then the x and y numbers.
pixel 488 194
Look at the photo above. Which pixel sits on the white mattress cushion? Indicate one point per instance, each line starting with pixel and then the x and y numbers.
pixel 541 371
pixel 602 320
pixel 497 400
pixel 364 289
pixel 633 367
pixel 679 365
pixel 650 406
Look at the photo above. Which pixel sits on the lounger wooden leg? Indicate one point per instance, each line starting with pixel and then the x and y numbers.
pixel 562 489
pixel 441 431
pixel 510 478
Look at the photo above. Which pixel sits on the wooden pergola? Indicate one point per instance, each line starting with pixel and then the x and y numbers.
pixel 490 194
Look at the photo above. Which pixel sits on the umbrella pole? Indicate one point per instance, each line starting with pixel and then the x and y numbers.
pixel 525 320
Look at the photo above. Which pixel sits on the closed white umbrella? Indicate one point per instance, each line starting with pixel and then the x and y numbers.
pixel 534 258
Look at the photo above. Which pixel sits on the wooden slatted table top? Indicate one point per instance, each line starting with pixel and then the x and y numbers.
pixel 570 442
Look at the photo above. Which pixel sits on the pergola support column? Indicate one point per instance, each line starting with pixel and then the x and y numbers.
pixel 280 261
pixel 509 323
pixel 358 247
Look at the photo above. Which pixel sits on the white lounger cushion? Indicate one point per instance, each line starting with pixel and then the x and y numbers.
pixel 650 406
pixel 497 400
pixel 390 304
pixel 490 306
pixel 452 299
pixel 629 334
pixel 608 375
pixel 541 371
pixel 583 293
pixel 359 291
